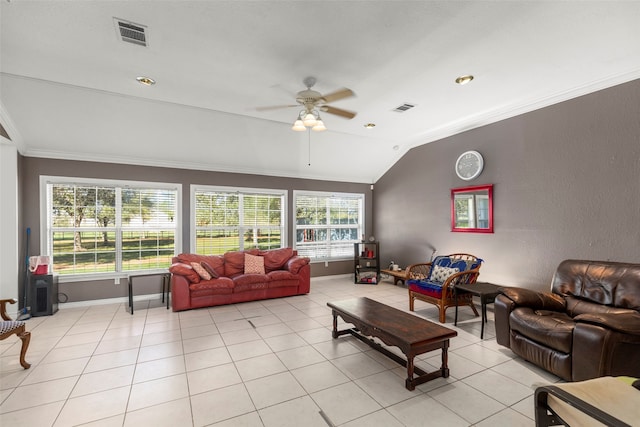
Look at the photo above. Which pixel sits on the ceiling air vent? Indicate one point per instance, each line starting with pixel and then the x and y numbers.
pixel 130 32
pixel 404 107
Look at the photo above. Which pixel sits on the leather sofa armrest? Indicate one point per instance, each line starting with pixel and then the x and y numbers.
pixel 295 263
pixel 533 299
pixel 627 323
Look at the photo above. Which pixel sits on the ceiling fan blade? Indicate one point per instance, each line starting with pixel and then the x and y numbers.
pixel 338 111
pixel 276 107
pixel 338 94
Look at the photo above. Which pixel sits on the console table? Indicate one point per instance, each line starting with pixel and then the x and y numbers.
pixel 413 335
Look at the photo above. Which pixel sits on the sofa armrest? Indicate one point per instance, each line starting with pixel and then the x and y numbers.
pixel 180 293
pixel 627 323
pixel 295 263
pixel 533 299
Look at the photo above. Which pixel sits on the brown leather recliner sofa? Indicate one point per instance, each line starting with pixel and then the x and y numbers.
pixel 588 326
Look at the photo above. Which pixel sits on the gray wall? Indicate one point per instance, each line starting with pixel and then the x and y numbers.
pixel 566 185
pixel 31 168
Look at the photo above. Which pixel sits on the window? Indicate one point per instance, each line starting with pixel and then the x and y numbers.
pixel 231 219
pixel 327 225
pixel 99 227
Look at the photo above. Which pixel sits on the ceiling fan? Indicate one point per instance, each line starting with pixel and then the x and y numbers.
pixel 313 102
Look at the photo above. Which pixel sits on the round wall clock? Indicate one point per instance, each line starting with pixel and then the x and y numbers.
pixel 469 165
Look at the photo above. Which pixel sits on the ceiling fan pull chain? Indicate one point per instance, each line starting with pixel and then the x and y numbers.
pixel 309 150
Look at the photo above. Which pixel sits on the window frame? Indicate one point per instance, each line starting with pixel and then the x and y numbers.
pixel 241 191
pixel 46 242
pixel 361 225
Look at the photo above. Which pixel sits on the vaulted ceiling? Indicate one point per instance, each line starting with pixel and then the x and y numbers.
pixel 68 84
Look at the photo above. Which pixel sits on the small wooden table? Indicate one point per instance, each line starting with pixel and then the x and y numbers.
pixel 398 275
pixel 487 293
pixel 413 335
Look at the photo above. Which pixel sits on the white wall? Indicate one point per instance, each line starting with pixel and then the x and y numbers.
pixel 9 258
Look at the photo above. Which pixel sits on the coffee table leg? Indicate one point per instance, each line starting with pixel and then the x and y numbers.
pixel 445 359
pixel 409 382
pixel 334 334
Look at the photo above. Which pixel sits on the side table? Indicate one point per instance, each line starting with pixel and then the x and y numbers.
pixel 398 275
pixel 166 284
pixel 487 293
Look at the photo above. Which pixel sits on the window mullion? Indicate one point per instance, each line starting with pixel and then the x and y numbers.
pixel 118 200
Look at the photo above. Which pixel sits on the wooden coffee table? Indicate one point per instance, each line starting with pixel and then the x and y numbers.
pixel 398 275
pixel 411 334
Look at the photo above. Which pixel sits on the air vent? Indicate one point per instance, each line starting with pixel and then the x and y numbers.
pixel 131 33
pixel 404 107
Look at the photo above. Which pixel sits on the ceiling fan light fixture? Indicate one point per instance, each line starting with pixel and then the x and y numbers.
pixel 298 126
pixel 319 126
pixel 309 120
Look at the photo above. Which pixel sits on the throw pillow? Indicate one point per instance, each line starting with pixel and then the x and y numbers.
pixel 210 270
pixel 441 274
pixel 204 274
pixel 253 264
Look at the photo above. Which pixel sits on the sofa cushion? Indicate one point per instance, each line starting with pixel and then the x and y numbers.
pixel 460 264
pixel 296 263
pixel 282 278
pixel 549 328
pixel 202 272
pixel 275 259
pixel 578 306
pixel 249 282
pixel 185 270
pixel 244 279
pixel 220 286
pixel 425 287
pixel 253 264
pixel 233 263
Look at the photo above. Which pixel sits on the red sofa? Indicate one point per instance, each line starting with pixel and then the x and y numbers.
pixel 285 274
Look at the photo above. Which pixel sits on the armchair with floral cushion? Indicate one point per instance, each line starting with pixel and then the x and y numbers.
pixel 433 282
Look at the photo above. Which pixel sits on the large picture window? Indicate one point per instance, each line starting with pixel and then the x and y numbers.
pixel 98 227
pixel 327 225
pixel 231 219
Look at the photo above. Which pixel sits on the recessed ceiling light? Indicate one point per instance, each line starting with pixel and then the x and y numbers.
pixel 370 125
pixel 147 81
pixel 396 147
pixel 463 80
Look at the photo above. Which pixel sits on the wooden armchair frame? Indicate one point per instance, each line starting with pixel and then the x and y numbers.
pixel 447 299
pixel 15 327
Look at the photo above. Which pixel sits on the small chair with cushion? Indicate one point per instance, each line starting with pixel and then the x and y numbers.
pixel 433 282
pixel 9 327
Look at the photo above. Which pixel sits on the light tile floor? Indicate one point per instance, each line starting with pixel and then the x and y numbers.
pixel 266 363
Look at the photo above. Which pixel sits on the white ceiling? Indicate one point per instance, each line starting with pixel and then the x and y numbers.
pixel 68 87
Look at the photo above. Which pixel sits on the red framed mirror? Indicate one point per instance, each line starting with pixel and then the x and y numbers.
pixel 472 209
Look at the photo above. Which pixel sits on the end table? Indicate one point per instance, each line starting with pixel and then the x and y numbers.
pixel 487 293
